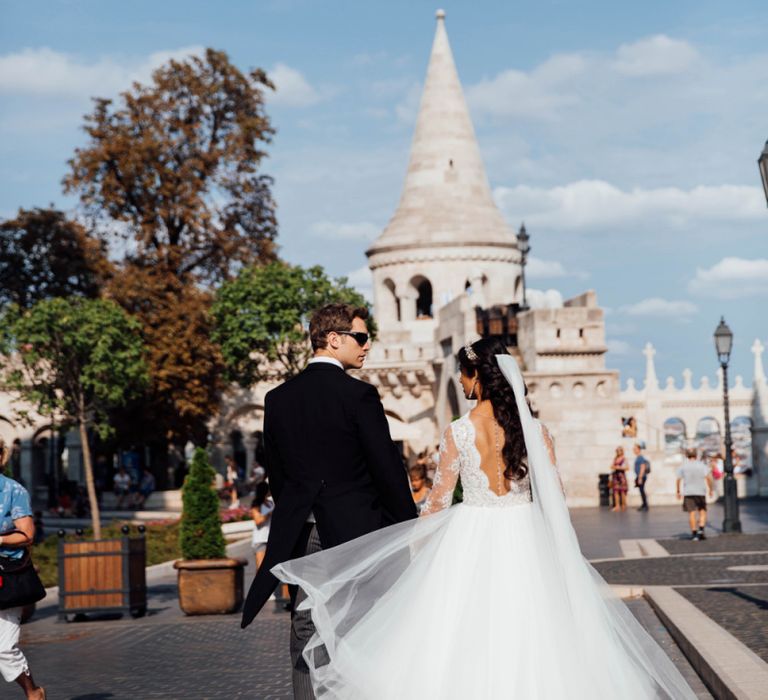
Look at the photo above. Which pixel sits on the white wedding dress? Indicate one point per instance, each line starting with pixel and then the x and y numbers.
pixel 490 598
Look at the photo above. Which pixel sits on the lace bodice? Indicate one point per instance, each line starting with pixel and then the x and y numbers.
pixel 459 457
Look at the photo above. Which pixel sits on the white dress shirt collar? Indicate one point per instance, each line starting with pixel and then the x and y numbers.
pixel 329 360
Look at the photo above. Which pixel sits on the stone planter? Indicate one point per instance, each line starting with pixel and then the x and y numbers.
pixel 210 586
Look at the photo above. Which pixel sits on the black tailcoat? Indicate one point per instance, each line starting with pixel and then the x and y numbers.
pixel 328 452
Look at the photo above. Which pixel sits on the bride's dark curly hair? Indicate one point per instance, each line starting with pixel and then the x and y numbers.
pixel 498 390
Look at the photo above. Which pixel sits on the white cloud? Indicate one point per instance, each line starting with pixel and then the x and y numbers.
pixel 655 55
pixel 596 204
pixel 732 278
pixel 661 308
pixel 544 299
pixel 514 93
pixel 618 347
pixel 360 231
pixel 362 280
pixel 291 88
pixel 45 72
pixel 536 268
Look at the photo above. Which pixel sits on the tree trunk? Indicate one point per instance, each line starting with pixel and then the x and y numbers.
pixel 89 483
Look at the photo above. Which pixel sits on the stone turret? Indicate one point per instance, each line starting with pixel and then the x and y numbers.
pixel 447 235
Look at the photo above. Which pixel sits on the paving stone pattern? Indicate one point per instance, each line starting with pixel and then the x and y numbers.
pixel 690 570
pixel 743 611
pixel 721 543
pixel 191 658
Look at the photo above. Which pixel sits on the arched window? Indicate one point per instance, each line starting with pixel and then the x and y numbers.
pixel 674 436
pixel 390 309
pixel 708 436
pixel 423 288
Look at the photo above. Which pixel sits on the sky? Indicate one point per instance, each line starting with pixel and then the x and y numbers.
pixel 624 135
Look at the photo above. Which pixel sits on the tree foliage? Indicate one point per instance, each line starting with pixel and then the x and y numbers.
pixel 185 365
pixel 200 535
pixel 262 316
pixel 74 358
pixel 43 255
pixel 177 165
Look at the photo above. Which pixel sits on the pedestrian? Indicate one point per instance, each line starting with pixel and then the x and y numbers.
pixel 261 513
pixel 146 487
pixel 642 470
pixel 619 480
pixel 419 486
pixel 122 486
pixel 230 481
pixel 19 532
pixel 696 481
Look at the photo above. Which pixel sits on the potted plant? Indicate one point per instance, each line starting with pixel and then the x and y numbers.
pixel 209 582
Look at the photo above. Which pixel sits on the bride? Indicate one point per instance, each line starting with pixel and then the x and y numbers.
pixel 490 598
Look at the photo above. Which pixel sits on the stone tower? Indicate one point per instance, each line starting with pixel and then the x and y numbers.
pixel 447 235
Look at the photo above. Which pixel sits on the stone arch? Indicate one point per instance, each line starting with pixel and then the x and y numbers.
pixel 389 302
pixel 708 436
pixel 674 435
pixel 422 289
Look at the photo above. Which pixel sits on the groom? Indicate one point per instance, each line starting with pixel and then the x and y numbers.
pixel 333 470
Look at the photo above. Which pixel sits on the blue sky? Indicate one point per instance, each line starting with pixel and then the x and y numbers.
pixel 624 135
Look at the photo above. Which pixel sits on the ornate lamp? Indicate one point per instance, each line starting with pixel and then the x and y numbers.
pixel 723 345
pixel 523 245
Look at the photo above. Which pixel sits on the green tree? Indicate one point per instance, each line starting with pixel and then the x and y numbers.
pixel 43 255
pixel 261 318
pixel 200 535
pixel 75 358
pixel 177 165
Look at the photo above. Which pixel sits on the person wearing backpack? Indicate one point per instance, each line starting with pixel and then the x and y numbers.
pixel 642 470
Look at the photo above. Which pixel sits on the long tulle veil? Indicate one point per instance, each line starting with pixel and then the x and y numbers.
pixel 590 599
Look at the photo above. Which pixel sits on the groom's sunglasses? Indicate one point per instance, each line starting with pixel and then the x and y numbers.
pixel 360 337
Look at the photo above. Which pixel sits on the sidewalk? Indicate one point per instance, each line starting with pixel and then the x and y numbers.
pixel 712 595
pixel 168 655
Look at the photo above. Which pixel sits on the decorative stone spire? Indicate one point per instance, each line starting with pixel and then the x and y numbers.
pixel 759 373
pixel 446 199
pixel 651 380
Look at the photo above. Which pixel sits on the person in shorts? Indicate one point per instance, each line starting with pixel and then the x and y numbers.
pixel 696 481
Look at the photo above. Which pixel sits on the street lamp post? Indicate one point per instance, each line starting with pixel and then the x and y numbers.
pixel 762 163
pixel 524 247
pixel 723 345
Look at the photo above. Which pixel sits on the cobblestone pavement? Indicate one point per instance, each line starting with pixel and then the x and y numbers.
pixel 686 570
pixel 168 655
pixel 161 656
pixel 600 530
pixel 743 611
pixel 722 543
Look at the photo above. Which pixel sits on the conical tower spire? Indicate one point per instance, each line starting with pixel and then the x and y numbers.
pixel 446 198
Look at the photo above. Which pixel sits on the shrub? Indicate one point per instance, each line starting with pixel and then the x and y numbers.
pixel 200 535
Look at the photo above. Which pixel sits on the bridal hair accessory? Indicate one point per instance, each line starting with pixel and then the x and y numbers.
pixel 471 354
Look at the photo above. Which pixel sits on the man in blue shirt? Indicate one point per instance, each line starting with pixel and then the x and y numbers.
pixel 17 532
pixel 642 469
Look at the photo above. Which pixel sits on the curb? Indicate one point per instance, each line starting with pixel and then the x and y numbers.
pixel 728 667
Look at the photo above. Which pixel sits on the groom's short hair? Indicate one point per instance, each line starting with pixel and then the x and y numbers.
pixel 333 317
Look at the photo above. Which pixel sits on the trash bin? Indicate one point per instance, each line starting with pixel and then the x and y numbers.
pixel 604 489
